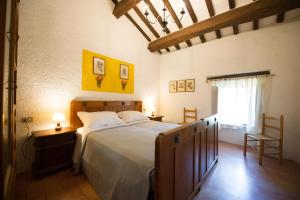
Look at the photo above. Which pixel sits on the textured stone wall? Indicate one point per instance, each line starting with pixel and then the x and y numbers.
pixel 52 36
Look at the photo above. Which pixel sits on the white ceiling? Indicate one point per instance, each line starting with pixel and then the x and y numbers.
pixel 201 11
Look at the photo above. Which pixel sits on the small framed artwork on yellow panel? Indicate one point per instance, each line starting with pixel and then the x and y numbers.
pixel 190 85
pixel 173 86
pixel 181 86
pixel 99 66
pixel 124 72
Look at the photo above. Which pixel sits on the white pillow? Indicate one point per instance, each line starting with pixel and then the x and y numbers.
pixel 132 116
pixel 101 119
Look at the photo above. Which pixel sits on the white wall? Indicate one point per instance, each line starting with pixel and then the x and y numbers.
pixel 52 36
pixel 275 48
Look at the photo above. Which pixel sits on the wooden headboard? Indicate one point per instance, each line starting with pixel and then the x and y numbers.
pixel 93 106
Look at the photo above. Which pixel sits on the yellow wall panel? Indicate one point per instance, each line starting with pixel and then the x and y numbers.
pixel 111 80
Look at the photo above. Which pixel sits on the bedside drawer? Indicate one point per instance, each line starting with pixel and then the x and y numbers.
pixel 54 140
pixel 53 150
pixel 50 157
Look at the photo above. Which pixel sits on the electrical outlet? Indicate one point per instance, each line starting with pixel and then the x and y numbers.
pixel 27 119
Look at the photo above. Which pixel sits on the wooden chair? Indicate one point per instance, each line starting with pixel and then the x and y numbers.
pixel 189 114
pixel 262 138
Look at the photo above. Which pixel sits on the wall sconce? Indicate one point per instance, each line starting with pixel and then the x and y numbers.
pixel 99 80
pixel 58 117
pixel 124 83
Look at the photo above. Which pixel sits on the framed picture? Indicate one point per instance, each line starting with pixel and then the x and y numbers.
pixel 124 71
pixel 99 66
pixel 172 86
pixel 181 86
pixel 190 85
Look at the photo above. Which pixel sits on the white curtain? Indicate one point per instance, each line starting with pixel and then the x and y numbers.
pixel 240 102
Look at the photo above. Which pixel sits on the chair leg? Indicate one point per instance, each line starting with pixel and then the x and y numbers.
pixel 280 152
pixel 261 150
pixel 245 144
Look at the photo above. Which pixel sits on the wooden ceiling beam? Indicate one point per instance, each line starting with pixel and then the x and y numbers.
pixel 212 13
pixel 218 34
pixel 193 17
pixel 255 23
pixel 123 7
pixel 280 17
pixel 190 10
pixel 146 22
pixel 138 27
pixel 177 46
pixel 202 38
pixel 236 29
pixel 231 4
pixel 134 23
pixel 244 14
pixel 157 16
pixel 236 26
pixel 174 16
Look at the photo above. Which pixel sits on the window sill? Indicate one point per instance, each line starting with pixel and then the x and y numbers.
pixel 229 126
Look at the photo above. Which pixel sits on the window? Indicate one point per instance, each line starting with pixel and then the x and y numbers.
pixel 239 102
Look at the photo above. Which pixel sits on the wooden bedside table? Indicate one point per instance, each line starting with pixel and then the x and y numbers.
pixel 53 149
pixel 156 118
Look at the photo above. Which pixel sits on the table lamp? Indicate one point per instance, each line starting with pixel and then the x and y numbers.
pixel 58 117
pixel 152 109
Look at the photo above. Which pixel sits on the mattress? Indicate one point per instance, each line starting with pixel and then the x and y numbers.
pixel 119 161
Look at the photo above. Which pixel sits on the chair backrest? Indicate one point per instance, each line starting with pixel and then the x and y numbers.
pixel 265 125
pixel 189 114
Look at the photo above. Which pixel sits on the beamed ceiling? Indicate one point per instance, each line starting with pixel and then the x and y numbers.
pixel 205 20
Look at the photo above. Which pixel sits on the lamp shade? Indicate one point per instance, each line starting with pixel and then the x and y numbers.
pixel 149 110
pixel 58 117
pixel 152 109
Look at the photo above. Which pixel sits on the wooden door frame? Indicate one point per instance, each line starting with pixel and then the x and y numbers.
pixel 2 47
pixel 7 175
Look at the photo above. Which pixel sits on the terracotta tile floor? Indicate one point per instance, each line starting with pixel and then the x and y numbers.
pixel 62 185
pixel 239 178
pixel 233 178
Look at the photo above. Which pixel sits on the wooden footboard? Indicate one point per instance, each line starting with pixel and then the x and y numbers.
pixel 183 158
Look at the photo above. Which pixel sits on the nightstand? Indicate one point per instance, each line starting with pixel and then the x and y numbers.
pixel 53 149
pixel 156 118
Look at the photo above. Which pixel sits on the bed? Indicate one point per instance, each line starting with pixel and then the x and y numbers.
pixel 144 159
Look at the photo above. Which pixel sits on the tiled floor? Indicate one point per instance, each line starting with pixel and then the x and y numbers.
pixel 234 178
pixel 62 185
pixel 239 178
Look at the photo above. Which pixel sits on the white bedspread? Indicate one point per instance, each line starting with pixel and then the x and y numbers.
pixel 118 160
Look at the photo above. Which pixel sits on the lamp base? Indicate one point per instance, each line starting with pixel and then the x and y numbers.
pixel 58 127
